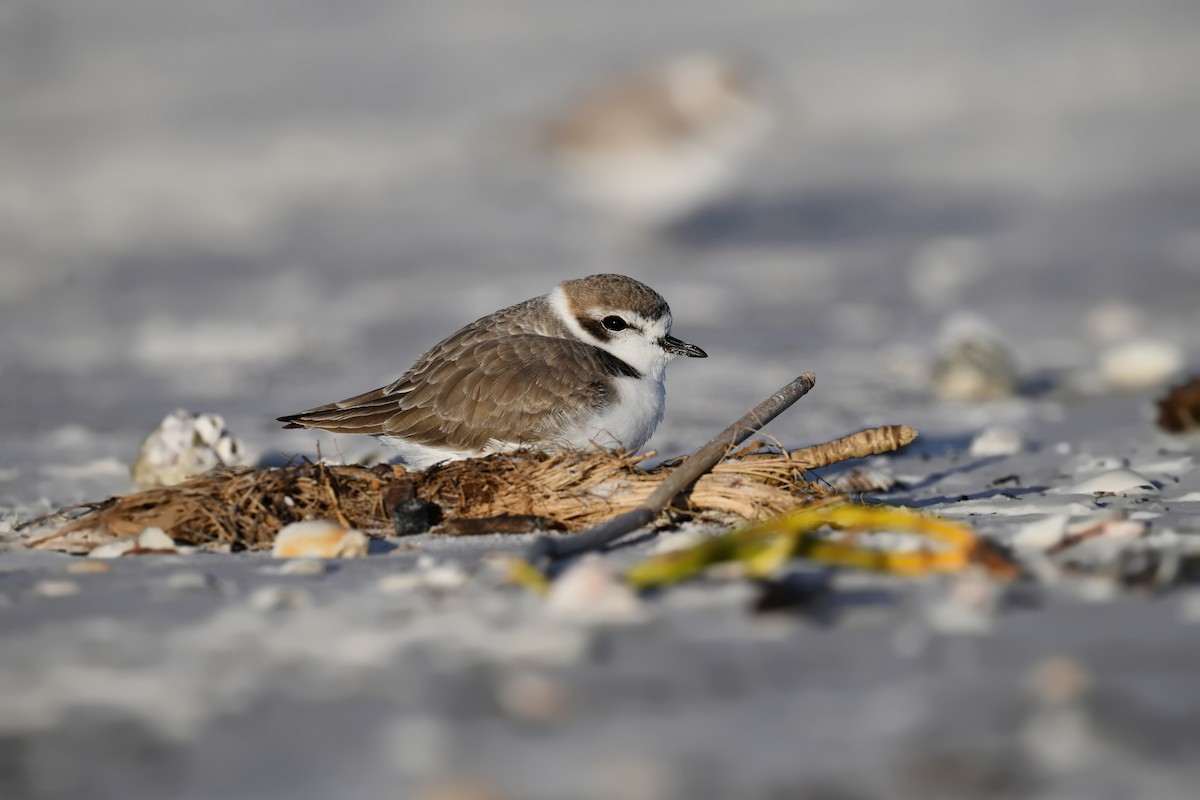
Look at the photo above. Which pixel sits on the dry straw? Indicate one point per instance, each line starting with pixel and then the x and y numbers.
pixel 245 508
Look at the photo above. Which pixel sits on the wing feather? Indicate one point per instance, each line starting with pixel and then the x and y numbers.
pixel 474 388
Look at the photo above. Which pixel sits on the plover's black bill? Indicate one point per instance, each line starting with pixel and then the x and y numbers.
pixel 681 348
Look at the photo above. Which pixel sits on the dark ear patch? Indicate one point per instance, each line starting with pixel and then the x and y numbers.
pixel 617 367
pixel 595 328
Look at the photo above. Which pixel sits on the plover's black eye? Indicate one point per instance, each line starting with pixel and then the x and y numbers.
pixel 614 323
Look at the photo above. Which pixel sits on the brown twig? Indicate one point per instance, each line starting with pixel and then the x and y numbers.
pixel 678 481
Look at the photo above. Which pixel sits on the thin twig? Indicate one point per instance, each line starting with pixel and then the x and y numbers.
pixel 686 474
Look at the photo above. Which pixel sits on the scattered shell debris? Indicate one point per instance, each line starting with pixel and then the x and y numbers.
pixel 114 549
pixel 865 479
pixel 190 581
pixel 591 591
pixel 319 539
pixel 278 598
pixel 967 604
pixel 87 567
pixel 151 541
pixel 441 577
pixel 56 587
pixel 1140 364
pixel 183 445
pixel 1116 481
pixel 997 440
pixel 534 696
pixel 155 539
pixel 973 363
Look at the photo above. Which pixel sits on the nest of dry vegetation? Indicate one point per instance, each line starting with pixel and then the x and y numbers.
pixel 246 508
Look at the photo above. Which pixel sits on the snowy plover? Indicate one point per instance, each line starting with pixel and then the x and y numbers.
pixel 656 146
pixel 579 367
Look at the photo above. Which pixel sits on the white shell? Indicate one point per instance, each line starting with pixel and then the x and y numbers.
pixel 184 444
pixel 113 549
pixel 1141 364
pixel 155 539
pixel 997 441
pixel 319 539
pixel 1116 481
pixel 56 587
pixel 590 592
pixel 973 364
pixel 1041 534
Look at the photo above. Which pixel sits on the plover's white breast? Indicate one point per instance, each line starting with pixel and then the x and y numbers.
pixel 629 423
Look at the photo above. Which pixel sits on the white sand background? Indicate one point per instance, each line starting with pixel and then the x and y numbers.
pixel 252 208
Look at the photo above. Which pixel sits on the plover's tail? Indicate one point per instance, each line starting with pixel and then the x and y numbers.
pixel 367 413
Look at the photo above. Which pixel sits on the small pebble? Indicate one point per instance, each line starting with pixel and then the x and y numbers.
pixel 1112 321
pixel 275 598
pixel 548 645
pixel 190 581
pixel 113 549
pixel 155 539
pixel 87 567
pixel 414 516
pixel 670 542
pixel 863 479
pixel 997 441
pixel 1117 481
pixel 534 696
pixel 56 588
pixel 1141 364
pixel 1097 588
pixel 319 539
pixel 1111 528
pixel 1041 534
pixel 438 577
pixel 973 364
pixel 968 606
pixel 1059 679
pixel 591 591
pixel 301 566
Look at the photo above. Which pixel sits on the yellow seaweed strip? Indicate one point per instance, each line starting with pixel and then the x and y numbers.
pixel 765 547
pixel 527 576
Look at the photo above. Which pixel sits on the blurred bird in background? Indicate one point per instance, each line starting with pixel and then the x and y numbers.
pixel 653 147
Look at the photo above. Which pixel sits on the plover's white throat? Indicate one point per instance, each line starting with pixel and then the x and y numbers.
pixel 580 367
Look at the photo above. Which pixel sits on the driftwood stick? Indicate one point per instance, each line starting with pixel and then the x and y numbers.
pixel 678 481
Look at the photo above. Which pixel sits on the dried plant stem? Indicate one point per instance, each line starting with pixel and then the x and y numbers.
pixel 678 481
pixel 871 442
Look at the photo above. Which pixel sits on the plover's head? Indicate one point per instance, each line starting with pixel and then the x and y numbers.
pixel 623 316
pixel 706 90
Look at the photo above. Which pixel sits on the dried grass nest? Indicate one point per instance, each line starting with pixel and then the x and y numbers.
pixel 245 508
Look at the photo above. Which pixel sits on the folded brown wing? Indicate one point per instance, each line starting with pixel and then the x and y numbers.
pixel 518 388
